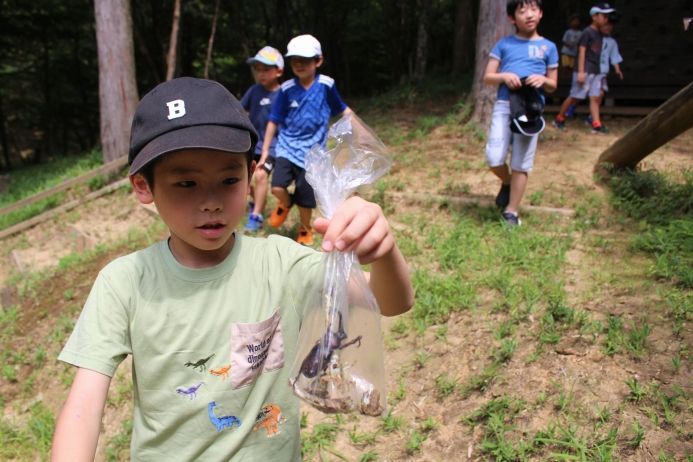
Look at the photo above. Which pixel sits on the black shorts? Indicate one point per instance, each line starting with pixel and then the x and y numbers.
pixel 286 172
pixel 269 163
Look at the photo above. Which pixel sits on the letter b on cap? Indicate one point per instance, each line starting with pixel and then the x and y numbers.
pixel 176 109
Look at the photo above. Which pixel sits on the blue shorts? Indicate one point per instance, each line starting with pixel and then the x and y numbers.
pixel 592 86
pixel 286 172
pixel 500 138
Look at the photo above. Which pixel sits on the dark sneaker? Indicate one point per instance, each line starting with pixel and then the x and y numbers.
pixel 251 207
pixel 503 197
pixel 559 124
pixel 588 120
pixel 600 130
pixel 254 223
pixel 512 219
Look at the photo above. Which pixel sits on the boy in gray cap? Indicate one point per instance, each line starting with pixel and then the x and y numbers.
pixel 210 317
pixel 268 66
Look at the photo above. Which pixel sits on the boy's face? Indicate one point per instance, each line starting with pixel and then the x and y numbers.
pixel 267 76
pixel 607 28
pixel 200 194
pixel 527 17
pixel 575 23
pixel 305 68
pixel 600 19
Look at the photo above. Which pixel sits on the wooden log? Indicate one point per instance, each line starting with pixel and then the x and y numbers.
pixel 670 119
pixel 63 208
pixel 103 170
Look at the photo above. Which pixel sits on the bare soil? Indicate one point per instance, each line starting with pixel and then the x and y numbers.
pixel 453 166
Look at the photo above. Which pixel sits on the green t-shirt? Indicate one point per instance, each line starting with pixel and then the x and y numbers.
pixel 212 348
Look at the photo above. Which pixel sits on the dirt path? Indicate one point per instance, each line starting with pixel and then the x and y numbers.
pixel 568 383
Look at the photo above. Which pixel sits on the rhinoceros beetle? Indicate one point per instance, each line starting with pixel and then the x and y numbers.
pixel 331 341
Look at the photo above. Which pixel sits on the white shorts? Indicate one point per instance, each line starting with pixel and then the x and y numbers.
pixel 592 86
pixel 500 138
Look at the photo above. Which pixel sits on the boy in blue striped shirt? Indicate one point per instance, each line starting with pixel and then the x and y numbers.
pixel 303 108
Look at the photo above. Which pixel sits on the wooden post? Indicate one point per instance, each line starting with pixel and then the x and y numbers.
pixel 670 119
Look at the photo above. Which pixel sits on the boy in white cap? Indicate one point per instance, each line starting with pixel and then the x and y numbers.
pixel 209 316
pixel 587 78
pixel 303 108
pixel 268 66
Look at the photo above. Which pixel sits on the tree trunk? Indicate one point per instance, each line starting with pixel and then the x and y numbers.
pixel 463 43
pixel 210 43
pixel 173 42
pixel 670 119
pixel 422 42
pixel 117 86
pixel 493 25
pixel 3 139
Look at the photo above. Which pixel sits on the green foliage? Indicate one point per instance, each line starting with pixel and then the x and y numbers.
pixel 118 447
pixel 651 196
pixel 41 426
pixel 672 246
pixel 392 423
pixel 32 179
pixel 496 417
pixel 321 439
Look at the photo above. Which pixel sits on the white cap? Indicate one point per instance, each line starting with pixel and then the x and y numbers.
pixel 305 46
pixel 604 8
pixel 269 57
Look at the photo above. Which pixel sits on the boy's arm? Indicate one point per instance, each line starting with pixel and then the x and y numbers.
pixel 493 77
pixel 582 51
pixel 79 423
pixel 548 82
pixel 270 131
pixel 360 226
pixel 617 68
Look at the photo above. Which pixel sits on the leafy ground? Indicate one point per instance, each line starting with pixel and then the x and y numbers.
pixel 566 339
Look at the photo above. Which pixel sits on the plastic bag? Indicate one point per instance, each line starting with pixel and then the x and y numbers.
pixel 339 364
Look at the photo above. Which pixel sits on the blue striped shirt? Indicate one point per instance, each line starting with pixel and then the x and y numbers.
pixel 304 116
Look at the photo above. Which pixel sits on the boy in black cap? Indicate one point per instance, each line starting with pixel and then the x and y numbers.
pixel 210 316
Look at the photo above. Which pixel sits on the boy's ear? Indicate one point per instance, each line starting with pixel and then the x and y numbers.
pixel 141 188
pixel 318 63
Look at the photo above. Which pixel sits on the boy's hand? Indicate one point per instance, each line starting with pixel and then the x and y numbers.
pixel 511 80
pixel 619 73
pixel 261 162
pixel 357 225
pixel 581 77
pixel 535 80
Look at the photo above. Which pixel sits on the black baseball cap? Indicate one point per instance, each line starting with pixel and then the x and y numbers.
pixel 188 113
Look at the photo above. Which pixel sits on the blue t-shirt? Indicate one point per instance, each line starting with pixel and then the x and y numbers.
pixel 304 116
pixel 258 102
pixel 523 57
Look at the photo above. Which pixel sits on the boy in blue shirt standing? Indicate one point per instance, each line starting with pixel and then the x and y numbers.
pixel 523 59
pixel 303 108
pixel 268 66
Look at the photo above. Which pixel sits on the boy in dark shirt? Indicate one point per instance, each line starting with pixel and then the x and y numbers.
pixel 268 65
pixel 587 79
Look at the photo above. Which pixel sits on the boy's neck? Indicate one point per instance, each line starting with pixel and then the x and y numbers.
pixel 306 83
pixel 528 35
pixel 272 86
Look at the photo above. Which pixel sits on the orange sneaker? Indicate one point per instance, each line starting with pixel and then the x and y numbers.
pixel 305 236
pixel 278 216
